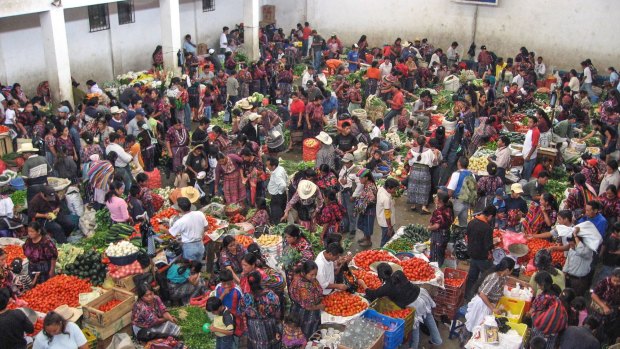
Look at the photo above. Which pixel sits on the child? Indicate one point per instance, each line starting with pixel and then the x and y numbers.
pixel 331 214
pixel 21 282
pixel 500 204
pixel 292 336
pixel 378 167
pixel 181 180
pixel 579 306
pixel 223 324
pixel 230 294
pixel 261 216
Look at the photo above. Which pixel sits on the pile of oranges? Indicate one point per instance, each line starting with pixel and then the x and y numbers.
pixel 371 280
pixel 244 240
pixel 398 314
pixel 365 258
pixel 416 269
pixel 343 304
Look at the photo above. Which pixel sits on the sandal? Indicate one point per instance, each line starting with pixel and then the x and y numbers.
pixel 365 243
pixel 425 212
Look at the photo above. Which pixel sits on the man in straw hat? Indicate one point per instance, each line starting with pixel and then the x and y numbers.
pixel 190 227
pixel 307 201
pixel 35 169
pixel 325 155
pixel 251 129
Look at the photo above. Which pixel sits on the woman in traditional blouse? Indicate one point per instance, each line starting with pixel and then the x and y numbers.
pixel 307 296
pixel 419 185
pixel 41 253
pixel 260 309
pixel 439 226
pixel 119 212
pixel 228 170
pixel 365 206
pixel 549 317
pixel 541 216
pixel 64 140
pixel 489 292
pixel 294 239
pixel 150 314
pixel 231 256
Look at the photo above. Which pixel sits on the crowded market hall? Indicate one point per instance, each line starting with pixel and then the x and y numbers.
pixel 309 175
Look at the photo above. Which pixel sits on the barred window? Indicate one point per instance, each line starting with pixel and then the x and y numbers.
pixel 98 17
pixel 208 5
pixel 126 13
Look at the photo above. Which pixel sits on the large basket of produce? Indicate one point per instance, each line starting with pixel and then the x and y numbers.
pixel 388 308
pixel 122 253
pixel 364 259
pixel 108 307
pixel 342 306
pixel 311 147
pixel 375 108
pixel 232 210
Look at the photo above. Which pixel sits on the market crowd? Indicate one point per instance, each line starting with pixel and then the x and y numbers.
pixel 219 131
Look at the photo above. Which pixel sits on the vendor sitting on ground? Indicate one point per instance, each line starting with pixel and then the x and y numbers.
pixel 184 281
pixel 150 318
pixel 45 208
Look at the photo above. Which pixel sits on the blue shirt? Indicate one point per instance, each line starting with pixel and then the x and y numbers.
pixel 330 104
pixel 599 222
pixel 353 56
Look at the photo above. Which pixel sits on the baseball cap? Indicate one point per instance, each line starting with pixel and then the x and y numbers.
pixel 48 191
pixel 63 109
pixel 347 158
pixel 141 111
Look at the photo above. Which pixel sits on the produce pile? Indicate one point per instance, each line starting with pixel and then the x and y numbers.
pixel 19 198
pixel 121 249
pixel 119 272
pixel 416 233
pixel 38 326
pixel 398 314
pixel 343 303
pixel 556 188
pixel 244 240
pixel 119 231
pixel 402 244
pixel 416 269
pixel 478 164
pixel 109 305
pixel 535 245
pixel 59 290
pixel 88 266
pixel 67 253
pixel 454 282
pixel 371 280
pixel 13 252
pixel 191 319
pixel 268 240
pixel 364 259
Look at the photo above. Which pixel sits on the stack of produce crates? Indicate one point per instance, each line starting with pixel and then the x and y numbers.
pixel 394 328
pixel 384 304
pixel 451 298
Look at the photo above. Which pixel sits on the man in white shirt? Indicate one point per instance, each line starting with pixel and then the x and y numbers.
pixel 519 79
pixel 326 268
pixel 385 68
pixel 540 68
pixel 386 217
pixel 191 227
pixel 460 208
pixel 452 54
pixel 309 75
pixel 224 41
pixel 586 82
pixel 376 131
pixel 121 165
pixel 350 183
pixel 278 183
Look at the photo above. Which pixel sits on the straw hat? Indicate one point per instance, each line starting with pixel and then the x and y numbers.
pixel 197 146
pixel 244 104
pixel 306 189
pixel 68 313
pixel 27 148
pixel 254 117
pixel 115 110
pixel 516 188
pixel 324 138
pixel 58 184
pixel 191 193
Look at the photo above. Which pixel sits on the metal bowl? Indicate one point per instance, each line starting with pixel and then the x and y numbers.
pixel 518 250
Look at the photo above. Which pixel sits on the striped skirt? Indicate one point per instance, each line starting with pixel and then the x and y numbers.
pixel 310 319
pixel 419 185
pixel 262 333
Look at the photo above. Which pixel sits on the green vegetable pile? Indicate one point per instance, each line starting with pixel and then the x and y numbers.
pixel 191 319
pixel 443 101
pixel 313 238
pixel 559 174
pixel 515 137
pixel 402 244
pixel 556 188
pixel 67 253
pixel 296 166
pixel 19 198
pixel 88 266
pixel 298 69
pixel 98 241
pixel 490 146
pixel 594 142
pixel 417 233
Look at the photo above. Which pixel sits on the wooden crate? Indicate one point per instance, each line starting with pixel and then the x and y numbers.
pixel 125 283
pixel 94 316
pixel 108 331
pixel 6 145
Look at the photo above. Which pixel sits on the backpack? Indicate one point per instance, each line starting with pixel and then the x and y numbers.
pixel 466 188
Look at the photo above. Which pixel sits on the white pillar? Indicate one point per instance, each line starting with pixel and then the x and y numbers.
pixel 56 54
pixel 170 33
pixel 250 21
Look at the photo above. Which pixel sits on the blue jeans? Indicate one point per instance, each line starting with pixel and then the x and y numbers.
pixel 366 222
pixel 588 89
pixel 528 167
pixel 430 323
pixel 318 59
pixel 207 112
pixel 194 251
pixel 384 237
pixel 349 222
pixel 226 342
pixel 387 119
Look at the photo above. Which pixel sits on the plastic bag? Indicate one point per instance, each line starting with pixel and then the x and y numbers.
pixel 588 233
pixel 214 209
pixel 509 238
pixel 87 222
pixel 121 341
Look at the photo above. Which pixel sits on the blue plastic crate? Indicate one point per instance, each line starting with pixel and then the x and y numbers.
pixel 394 337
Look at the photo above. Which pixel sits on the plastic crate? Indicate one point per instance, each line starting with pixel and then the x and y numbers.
pixel 395 333
pixel 514 306
pixel 449 310
pixel 451 296
pixel 522 330
pixel 384 304
pixel 91 339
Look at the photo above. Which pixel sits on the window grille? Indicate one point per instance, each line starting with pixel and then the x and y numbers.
pixel 98 17
pixel 126 13
pixel 208 5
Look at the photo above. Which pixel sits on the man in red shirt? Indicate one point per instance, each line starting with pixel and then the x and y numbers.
pixel 306 35
pixel 396 105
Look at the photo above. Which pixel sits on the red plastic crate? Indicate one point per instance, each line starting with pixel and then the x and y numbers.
pixel 452 295
pixel 449 310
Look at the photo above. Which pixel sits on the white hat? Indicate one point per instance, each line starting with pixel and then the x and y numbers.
pixel 324 138
pixel 406 44
pixel 211 51
pixel 254 117
pixel 305 189
pixel 348 157
pixel 68 313
pixel 27 148
pixel 94 157
pixel 201 175
pixel 191 193
pixel 115 110
pixel 516 188
pixel 244 104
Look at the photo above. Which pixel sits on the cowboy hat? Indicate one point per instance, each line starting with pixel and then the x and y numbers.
pixel 115 110
pixel 27 148
pixel 254 117
pixel 68 313
pixel 197 146
pixel 58 184
pixel 406 44
pixel 244 104
pixel 191 193
pixel 324 138
pixel 306 189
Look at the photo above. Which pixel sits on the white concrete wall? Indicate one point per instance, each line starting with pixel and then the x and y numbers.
pixel 563 31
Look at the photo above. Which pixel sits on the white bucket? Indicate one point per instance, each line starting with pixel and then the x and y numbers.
pixel 451 83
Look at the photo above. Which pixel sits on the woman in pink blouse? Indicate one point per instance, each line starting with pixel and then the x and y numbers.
pixel 115 204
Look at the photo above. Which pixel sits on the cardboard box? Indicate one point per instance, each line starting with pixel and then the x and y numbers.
pixel 94 316
pixel 463 265
pixel 6 144
pixel 269 14
pixel 125 283
pixel 108 331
